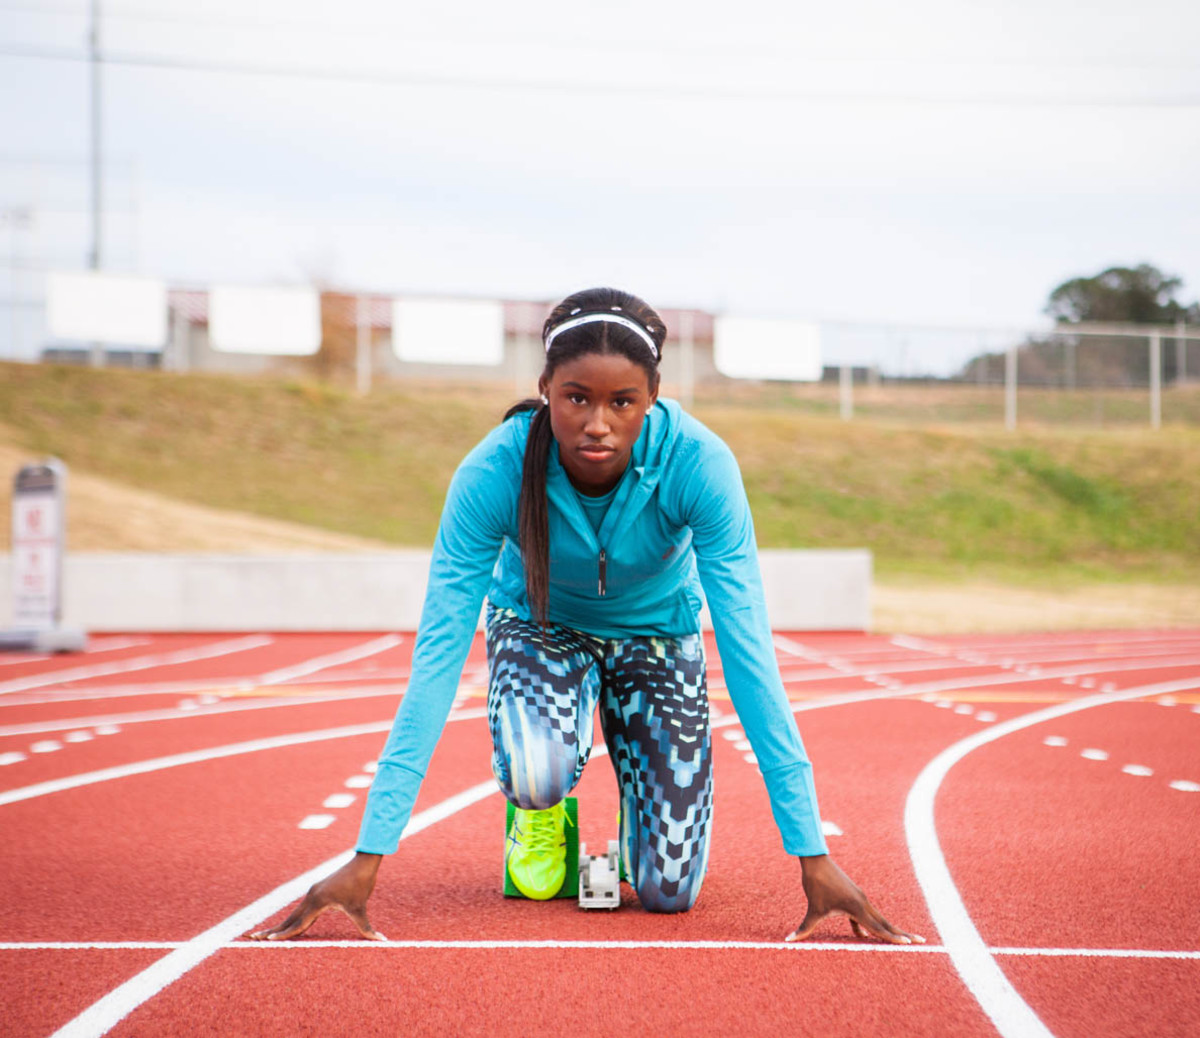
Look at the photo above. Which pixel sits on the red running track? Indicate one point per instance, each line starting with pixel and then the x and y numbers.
pixel 152 795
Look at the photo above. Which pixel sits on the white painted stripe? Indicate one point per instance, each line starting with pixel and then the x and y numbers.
pixel 12 757
pixel 970 956
pixel 829 828
pixel 98 1018
pixel 339 800
pixel 173 714
pixel 168 659
pixel 1185 786
pixel 83 693
pixel 958 684
pixel 1094 754
pixel 1137 769
pixel 1054 740
pixel 317 821
pixel 78 737
pixel 333 659
pixel 275 742
pixel 497 945
pixel 45 746
pixel 358 782
pixel 985 716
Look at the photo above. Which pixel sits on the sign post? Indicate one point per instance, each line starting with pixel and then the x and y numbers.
pixel 38 551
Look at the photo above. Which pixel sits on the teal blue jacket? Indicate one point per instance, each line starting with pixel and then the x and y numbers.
pixel 678 526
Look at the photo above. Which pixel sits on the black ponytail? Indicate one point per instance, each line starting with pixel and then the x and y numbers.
pixel 598 337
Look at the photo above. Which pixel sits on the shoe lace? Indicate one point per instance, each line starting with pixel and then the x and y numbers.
pixel 545 832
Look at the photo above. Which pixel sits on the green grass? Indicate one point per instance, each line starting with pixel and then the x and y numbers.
pixel 931 498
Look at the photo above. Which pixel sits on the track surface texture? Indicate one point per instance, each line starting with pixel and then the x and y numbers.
pixel 1031 804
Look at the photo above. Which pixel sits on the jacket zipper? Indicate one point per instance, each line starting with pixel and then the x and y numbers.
pixel 603 585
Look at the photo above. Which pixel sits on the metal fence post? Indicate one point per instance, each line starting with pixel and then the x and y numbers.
pixel 1155 380
pixel 1010 388
pixel 687 357
pixel 362 346
pixel 846 391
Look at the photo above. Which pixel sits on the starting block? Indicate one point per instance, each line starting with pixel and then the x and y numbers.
pixel 600 878
pixel 595 880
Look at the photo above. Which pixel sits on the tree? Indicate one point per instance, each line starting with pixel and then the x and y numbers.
pixel 1142 295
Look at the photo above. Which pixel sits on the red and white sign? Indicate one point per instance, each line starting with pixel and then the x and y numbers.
pixel 37 545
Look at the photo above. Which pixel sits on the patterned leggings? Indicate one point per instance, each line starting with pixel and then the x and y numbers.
pixel 544 687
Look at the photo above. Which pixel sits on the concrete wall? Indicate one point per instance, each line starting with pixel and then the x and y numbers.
pixel 806 590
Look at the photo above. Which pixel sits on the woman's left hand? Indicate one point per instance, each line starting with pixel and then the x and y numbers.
pixel 830 890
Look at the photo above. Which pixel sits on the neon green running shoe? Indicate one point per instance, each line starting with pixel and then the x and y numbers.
pixel 536 851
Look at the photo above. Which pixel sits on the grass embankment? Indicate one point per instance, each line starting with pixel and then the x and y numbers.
pixel 931 501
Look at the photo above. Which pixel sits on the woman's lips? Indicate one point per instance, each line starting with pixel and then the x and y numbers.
pixel 596 452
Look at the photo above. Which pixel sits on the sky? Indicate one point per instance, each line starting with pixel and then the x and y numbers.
pixel 867 165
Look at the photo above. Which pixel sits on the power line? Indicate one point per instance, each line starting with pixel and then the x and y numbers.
pixel 164 62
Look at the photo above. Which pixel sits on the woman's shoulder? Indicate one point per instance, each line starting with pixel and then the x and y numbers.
pixel 502 441
pixel 691 441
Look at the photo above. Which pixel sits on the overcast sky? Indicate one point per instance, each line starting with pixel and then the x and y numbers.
pixel 933 162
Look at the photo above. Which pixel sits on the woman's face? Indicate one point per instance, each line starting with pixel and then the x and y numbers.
pixel 597 405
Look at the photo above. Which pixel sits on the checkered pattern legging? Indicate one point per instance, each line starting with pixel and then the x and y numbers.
pixel 545 684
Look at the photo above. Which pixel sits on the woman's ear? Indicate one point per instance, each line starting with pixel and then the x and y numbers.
pixel 653 393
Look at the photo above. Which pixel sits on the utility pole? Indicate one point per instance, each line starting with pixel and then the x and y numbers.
pixel 97 199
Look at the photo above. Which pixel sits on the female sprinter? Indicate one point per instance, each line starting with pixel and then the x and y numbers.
pixel 592 519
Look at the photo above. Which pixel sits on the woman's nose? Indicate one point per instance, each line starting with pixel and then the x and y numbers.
pixel 597 422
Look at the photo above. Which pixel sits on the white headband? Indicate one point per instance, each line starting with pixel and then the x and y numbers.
pixel 625 322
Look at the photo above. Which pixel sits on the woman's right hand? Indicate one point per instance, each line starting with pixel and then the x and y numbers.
pixel 347 890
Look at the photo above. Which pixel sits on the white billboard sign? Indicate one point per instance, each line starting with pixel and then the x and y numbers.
pixel 108 308
pixel 277 321
pixel 448 331
pixel 750 347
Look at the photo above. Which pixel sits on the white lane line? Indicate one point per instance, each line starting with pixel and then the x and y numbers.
pixel 83 693
pixel 165 659
pixel 973 960
pixel 45 746
pixel 1185 786
pixel 358 782
pixel 173 713
pixel 1093 754
pixel 337 800
pixel 1054 740
pixel 317 821
pixel 12 757
pixel 275 742
pixel 101 1016
pixel 333 659
pixel 317 945
pixel 986 680
pixel 1137 769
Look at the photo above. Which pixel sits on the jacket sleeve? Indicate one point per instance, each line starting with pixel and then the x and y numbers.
pixel 474 518
pixel 727 559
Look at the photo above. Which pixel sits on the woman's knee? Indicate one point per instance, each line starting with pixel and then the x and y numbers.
pixel 536 778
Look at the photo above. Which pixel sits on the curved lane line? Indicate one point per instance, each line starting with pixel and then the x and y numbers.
pixel 175 760
pixel 98 1018
pixel 158 659
pixel 333 659
pixel 1010 1013
pixel 174 713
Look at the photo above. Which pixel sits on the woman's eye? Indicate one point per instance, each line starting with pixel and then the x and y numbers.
pixel 577 398
pixel 621 403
